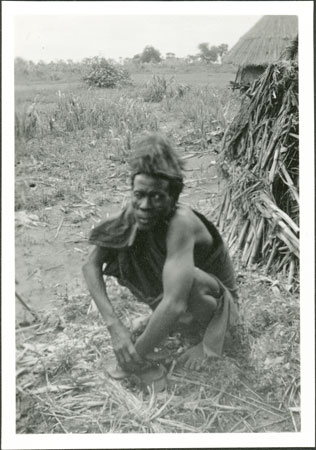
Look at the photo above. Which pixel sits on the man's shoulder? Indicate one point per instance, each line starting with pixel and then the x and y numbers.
pixel 183 221
pixel 183 216
pixel 189 223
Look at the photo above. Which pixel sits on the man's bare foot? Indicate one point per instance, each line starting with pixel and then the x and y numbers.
pixel 193 358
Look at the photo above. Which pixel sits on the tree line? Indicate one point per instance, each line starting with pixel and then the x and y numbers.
pixel 207 54
pixel 57 70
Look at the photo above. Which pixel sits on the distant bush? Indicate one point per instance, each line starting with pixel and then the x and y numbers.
pixel 101 73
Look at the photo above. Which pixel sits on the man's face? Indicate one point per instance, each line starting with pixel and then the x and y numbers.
pixel 151 200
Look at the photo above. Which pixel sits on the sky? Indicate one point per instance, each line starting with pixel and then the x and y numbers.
pixel 53 37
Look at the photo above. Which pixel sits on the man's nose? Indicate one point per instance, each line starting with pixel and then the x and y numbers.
pixel 145 203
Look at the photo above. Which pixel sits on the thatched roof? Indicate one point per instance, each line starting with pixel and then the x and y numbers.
pixel 264 42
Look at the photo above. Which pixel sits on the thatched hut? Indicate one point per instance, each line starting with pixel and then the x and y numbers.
pixel 263 44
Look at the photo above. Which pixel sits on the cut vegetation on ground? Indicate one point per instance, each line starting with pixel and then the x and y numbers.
pixel 72 147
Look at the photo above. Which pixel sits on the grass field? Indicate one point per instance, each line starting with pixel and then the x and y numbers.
pixel 72 148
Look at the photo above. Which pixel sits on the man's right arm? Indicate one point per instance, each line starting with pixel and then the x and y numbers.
pixel 121 338
pixel 93 274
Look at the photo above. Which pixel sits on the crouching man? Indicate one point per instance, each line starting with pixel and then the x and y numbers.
pixel 169 256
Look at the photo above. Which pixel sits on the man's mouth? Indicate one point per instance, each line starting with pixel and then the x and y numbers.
pixel 145 220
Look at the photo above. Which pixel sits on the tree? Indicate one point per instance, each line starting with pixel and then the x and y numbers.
pixel 207 53
pixel 150 54
pixel 213 53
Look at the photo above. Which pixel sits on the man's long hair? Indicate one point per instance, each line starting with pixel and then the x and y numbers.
pixel 155 156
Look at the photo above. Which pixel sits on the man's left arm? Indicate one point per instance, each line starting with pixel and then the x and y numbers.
pixel 178 276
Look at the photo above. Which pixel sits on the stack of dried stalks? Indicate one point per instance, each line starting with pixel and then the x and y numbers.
pixel 260 161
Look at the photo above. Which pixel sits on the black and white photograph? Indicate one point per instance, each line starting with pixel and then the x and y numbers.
pixel 158 224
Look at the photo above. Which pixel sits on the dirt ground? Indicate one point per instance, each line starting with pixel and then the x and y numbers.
pixel 47 264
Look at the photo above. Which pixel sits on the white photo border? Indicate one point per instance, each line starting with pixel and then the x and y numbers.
pixel 304 11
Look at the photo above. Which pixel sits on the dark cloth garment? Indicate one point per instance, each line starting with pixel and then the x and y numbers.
pixel 136 258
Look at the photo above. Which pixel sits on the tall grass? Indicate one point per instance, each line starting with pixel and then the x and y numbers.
pixel 203 110
pixel 103 110
pixel 74 112
pixel 83 130
pixel 208 107
pixel 115 118
pixel 118 116
pixel 160 87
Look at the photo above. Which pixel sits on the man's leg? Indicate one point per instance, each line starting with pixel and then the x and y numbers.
pixel 204 296
pixel 202 304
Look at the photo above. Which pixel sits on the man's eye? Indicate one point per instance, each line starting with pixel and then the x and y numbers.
pixel 138 195
pixel 157 197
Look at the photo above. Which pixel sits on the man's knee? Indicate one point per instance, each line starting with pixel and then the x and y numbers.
pixel 204 284
pixel 204 296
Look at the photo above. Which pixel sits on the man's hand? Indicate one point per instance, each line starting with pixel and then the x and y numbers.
pixel 124 349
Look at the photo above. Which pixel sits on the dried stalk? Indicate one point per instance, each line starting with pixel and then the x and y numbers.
pixel 260 153
pixel 242 234
pixel 257 239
